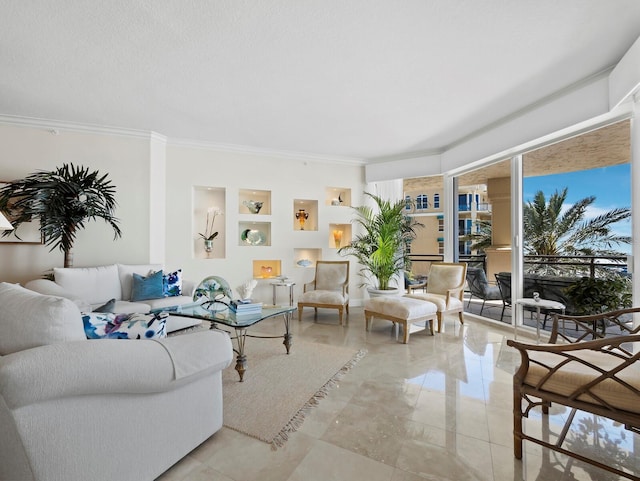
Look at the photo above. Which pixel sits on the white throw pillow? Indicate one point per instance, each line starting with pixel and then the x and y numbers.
pixel 95 285
pixel 29 319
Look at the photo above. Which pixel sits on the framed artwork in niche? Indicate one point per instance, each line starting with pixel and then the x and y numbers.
pixel 29 232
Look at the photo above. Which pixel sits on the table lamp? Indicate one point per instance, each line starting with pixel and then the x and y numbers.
pixel 4 223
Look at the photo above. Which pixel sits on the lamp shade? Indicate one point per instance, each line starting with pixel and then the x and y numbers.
pixel 4 223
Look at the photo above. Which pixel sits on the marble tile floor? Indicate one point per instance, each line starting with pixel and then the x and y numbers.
pixel 438 408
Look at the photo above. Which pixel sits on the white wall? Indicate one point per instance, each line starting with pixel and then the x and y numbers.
pixel 287 179
pixel 24 150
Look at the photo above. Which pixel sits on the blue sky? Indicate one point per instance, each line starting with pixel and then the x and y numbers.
pixel 610 185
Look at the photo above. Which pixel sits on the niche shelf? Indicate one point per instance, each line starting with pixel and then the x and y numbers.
pixel 249 199
pixel 305 215
pixel 306 257
pixel 267 269
pixel 339 235
pixel 254 234
pixel 338 196
pixel 207 200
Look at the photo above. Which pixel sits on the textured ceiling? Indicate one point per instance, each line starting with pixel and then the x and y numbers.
pixel 354 79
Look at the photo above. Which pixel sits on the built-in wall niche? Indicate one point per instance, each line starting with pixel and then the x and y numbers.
pixel 338 196
pixel 339 235
pixel 305 214
pixel 254 233
pixel 256 202
pixel 267 269
pixel 208 208
pixel 306 257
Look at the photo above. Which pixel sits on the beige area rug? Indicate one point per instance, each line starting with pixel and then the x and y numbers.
pixel 279 389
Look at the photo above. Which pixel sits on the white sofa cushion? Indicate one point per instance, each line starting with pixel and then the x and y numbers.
pixel 29 319
pixel 125 274
pixel 95 285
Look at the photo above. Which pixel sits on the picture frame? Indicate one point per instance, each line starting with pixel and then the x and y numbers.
pixel 29 232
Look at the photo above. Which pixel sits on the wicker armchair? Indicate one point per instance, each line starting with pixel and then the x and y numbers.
pixel 599 376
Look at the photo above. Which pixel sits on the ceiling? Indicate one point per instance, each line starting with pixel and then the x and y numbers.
pixel 353 80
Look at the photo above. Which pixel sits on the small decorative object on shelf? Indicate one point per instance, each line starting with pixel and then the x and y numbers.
pixel 266 271
pixel 304 262
pixel 302 216
pixel 209 234
pixel 337 237
pixel 246 289
pixel 254 206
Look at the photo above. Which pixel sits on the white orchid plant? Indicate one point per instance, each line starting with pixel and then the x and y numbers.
pixel 212 213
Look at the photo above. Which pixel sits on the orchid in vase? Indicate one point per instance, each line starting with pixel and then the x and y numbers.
pixel 209 234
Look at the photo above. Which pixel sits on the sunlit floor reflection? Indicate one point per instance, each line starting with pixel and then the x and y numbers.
pixel 438 408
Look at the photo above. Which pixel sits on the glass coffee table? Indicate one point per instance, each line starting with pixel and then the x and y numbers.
pixel 241 323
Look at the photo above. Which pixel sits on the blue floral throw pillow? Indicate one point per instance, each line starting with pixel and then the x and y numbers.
pixel 99 325
pixel 172 284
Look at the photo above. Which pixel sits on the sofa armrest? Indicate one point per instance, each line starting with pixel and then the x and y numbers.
pixel 109 366
pixel 50 288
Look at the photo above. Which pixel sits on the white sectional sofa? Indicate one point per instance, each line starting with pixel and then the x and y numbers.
pixel 73 409
pixel 91 287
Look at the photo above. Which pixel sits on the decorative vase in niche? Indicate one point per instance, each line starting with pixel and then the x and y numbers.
pixel 254 206
pixel 208 245
pixel 337 237
pixel 302 216
pixel 266 271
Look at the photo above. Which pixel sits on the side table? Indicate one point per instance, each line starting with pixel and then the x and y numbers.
pixel 538 304
pixel 288 284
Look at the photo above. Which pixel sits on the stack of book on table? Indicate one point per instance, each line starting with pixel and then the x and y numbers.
pixel 246 307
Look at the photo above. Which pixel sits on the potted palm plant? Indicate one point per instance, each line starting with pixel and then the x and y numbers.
pixel 382 246
pixel 62 201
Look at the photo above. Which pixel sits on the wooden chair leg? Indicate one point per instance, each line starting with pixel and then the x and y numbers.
pixel 439 321
pixel 300 308
pixel 461 316
pixel 367 322
pixel 406 333
pixel 517 424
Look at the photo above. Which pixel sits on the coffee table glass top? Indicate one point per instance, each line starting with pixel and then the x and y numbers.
pixel 223 315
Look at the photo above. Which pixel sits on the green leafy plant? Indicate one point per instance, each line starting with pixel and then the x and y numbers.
pixel 595 295
pixel 382 248
pixel 63 201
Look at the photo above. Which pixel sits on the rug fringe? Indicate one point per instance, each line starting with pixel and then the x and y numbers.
pixel 298 419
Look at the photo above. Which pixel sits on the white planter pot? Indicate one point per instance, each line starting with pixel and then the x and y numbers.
pixel 386 292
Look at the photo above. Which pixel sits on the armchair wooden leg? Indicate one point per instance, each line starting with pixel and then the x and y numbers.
pixel 300 308
pixel 367 321
pixel 461 316
pixel 439 321
pixel 405 332
pixel 517 424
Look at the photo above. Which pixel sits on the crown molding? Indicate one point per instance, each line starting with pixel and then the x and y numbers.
pixel 55 126
pixel 243 149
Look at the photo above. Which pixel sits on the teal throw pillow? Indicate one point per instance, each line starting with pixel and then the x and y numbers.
pixel 149 287
pixel 108 306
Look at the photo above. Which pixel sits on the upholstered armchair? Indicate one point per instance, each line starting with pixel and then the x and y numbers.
pixel 329 289
pixel 584 368
pixel 445 288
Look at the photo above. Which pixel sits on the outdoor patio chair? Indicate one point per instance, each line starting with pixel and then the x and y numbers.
pixel 479 286
pixel 600 376
pixel 503 280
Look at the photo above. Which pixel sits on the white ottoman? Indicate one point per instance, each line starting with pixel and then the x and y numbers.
pixel 400 310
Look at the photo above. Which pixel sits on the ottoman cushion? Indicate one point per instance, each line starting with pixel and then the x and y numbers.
pixel 400 307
